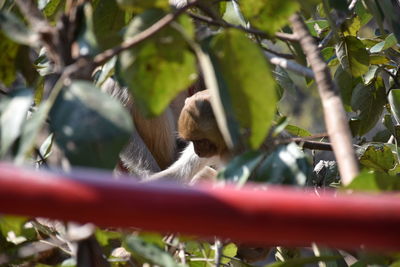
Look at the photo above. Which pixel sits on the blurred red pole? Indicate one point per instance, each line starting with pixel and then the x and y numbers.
pixel 278 216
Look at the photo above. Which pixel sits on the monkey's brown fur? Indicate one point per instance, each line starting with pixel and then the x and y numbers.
pixel 197 124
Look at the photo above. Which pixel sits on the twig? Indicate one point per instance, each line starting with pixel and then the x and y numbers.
pixel 289 65
pixel 142 36
pixel 335 116
pixel 40 25
pixel 282 55
pixel 211 21
pixel 218 252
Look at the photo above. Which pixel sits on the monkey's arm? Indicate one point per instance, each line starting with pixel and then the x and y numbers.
pixel 186 167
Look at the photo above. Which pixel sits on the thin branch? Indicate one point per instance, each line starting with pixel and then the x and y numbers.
pixel 280 35
pixel 40 25
pixel 289 65
pixel 142 36
pixel 334 113
pixel 282 55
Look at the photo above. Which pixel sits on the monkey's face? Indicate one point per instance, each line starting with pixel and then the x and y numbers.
pixel 197 124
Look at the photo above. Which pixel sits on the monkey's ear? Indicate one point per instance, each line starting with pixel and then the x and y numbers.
pixel 204 148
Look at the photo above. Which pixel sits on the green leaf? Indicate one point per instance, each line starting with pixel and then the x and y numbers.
pixel 12 118
pixel 394 101
pixel 232 14
pixel 297 131
pixel 229 250
pixel 298 262
pixel 389 41
pixel 14 29
pixel 268 15
pixel 374 182
pixel 345 82
pixel 104 236
pixel 30 132
pixel 286 165
pixel 391 11
pixel 352 26
pixel 368 102
pixel 158 69
pixel 378 157
pixel 370 76
pixel 338 4
pixel 247 82
pixel 241 167
pixel 138 6
pixel 108 20
pixel 150 252
pixel 90 126
pixel 7 60
pixel 353 55
pixel 49 7
pixel 362 13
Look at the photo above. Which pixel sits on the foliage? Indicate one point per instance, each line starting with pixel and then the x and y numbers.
pixel 43 86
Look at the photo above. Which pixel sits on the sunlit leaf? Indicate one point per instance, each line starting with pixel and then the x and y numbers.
pixel 13 116
pixel 157 70
pixel 297 131
pixel 268 15
pixel 353 55
pixel 137 5
pixel 374 181
pixel 389 41
pixel 49 7
pixel 378 157
pixel 248 81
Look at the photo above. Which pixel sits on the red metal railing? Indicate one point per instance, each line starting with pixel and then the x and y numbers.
pixel 283 216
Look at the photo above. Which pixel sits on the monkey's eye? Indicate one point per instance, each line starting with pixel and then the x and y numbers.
pixel 204 148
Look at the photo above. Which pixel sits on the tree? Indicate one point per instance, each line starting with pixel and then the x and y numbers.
pixel 255 56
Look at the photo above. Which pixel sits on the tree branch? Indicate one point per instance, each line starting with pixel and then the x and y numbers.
pixel 335 116
pixel 142 36
pixel 289 65
pixel 280 35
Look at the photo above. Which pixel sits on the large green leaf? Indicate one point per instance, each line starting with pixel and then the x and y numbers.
pixel 378 157
pixel 108 20
pixel 374 181
pixel 13 117
pixel 157 70
pixel 7 60
pixel 286 165
pixel 90 126
pixel 248 81
pixel 353 55
pixel 368 102
pixel 269 15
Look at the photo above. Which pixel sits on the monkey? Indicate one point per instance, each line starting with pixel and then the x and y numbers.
pixel 206 151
